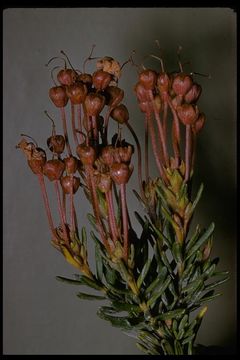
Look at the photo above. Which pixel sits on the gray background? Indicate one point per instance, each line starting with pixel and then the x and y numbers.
pixel 41 315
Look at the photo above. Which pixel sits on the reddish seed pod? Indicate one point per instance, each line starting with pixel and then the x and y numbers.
pixel 56 144
pixel 182 83
pixel 141 93
pixel 125 153
pixel 58 96
pixel 120 114
pixel 187 113
pixel 76 93
pixel 176 101
pixel 69 183
pixel 114 95
pixel 67 76
pixel 199 124
pixel 148 78
pixel 163 82
pixel 107 155
pixel 158 103
pixel 85 79
pixel 120 173
pixel 37 160
pixel 86 154
pixel 94 104
pixel 193 94
pixel 71 164
pixel 54 169
pixel 104 183
pixel 101 79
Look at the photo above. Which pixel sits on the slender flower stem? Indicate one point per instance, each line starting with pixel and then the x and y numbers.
pixel 146 149
pixel 95 206
pixel 125 220
pixel 65 130
pixel 73 124
pixel 46 204
pixel 79 116
pixel 60 210
pixel 95 130
pixel 165 113
pixel 188 151
pixel 175 134
pixel 72 219
pixel 111 218
pixel 154 146
pixel 139 157
pixel 106 121
pixel 64 206
pixel 160 129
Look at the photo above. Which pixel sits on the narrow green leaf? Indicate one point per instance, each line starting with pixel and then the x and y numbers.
pixel 177 252
pixel 89 282
pixel 208 298
pixel 183 322
pixel 171 314
pixel 143 348
pixel 178 348
pixel 99 262
pixel 92 221
pixel 201 240
pixel 192 286
pixel 160 278
pixel 121 306
pixel 84 237
pixel 139 218
pixel 143 273
pixel 193 239
pixel 162 236
pixel 151 302
pixel 167 348
pixel 70 281
pixel 216 283
pixel 195 202
pixel 85 296
pixel 188 339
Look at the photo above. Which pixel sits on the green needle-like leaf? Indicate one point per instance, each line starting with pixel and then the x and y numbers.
pixel 206 235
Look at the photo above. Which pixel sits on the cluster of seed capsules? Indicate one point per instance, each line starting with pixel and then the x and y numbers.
pixel 100 167
pixel 157 93
pixel 95 164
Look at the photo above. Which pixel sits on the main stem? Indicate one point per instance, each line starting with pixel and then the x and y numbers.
pixel 125 220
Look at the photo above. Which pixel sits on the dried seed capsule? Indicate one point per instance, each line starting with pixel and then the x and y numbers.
pixel 120 173
pixel 187 113
pixel 37 160
pixel 69 183
pixel 67 76
pixel 158 103
pixel 58 96
pixel 199 124
pixel 94 104
pixel 71 164
pixel 53 169
pixel 109 65
pixel 101 79
pixel 107 155
pixel 182 83
pixel 86 79
pixel 77 93
pixel 104 182
pixel 148 78
pixel 141 93
pixel 163 82
pixel 56 144
pixel 86 154
pixel 114 96
pixel 120 114
pixel 193 94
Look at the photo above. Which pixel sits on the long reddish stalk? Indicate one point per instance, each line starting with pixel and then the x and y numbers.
pixel 65 130
pixel 175 134
pixel 73 124
pixel 125 220
pixel 79 116
pixel 139 156
pixel 154 146
pixel 95 206
pixel 160 129
pixel 61 213
pixel 72 219
pixel 111 217
pixel 188 152
pixel 146 163
pixel 46 204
